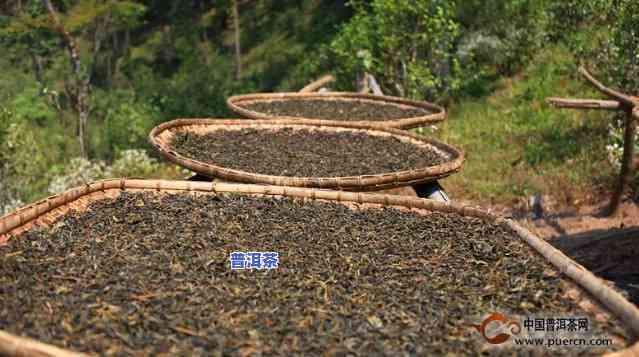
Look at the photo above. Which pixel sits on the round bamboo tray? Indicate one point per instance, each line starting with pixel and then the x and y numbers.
pixel 436 113
pixel 402 191
pixel 599 297
pixel 161 136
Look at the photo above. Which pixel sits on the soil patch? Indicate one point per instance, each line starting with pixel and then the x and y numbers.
pixel 608 246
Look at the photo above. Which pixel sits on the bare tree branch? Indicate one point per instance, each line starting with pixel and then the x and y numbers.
pixel 98 37
pixel 584 103
pixel 68 39
pixel 81 90
pixel 625 99
pixel 237 30
pixel 313 86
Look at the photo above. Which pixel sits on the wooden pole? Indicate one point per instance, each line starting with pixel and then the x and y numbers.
pixel 317 84
pixel 584 103
pixel 627 164
pixel 620 101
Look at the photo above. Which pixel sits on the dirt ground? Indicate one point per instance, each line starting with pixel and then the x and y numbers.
pixel 607 246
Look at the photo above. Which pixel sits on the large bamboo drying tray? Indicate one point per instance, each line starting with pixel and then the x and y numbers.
pixel 402 191
pixel 46 212
pixel 437 113
pixel 161 136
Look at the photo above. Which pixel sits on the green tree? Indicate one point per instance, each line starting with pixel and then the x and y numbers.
pixel 504 35
pixel 617 57
pixel 408 46
pixel 81 29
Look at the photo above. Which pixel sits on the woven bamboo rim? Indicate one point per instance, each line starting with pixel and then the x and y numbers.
pixel 160 138
pixel 437 113
pixel 45 212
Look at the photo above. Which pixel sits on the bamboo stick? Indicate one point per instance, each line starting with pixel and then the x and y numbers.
pixel 315 85
pixel 584 103
pixel 24 215
pixel 15 346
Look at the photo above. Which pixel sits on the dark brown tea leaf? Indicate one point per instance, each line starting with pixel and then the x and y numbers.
pixel 346 110
pixel 305 153
pixel 149 273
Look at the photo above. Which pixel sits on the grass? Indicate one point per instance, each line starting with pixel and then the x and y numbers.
pixel 516 145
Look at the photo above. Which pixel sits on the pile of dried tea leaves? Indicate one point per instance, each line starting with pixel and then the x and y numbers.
pixel 347 110
pixel 149 273
pixel 305 153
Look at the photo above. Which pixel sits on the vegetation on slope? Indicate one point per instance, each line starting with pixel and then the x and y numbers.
pixel 148 61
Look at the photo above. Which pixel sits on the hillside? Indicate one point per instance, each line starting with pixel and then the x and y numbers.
pixel 148 61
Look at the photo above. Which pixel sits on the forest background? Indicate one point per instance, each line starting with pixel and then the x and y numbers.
pixel 72 114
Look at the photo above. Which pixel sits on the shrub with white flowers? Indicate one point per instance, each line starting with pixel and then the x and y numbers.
pixel 11 206
pixel 615 146
pixel 134 163
pixel 79 171
pixel 129 163
pixel 20 161
pixel 8 201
